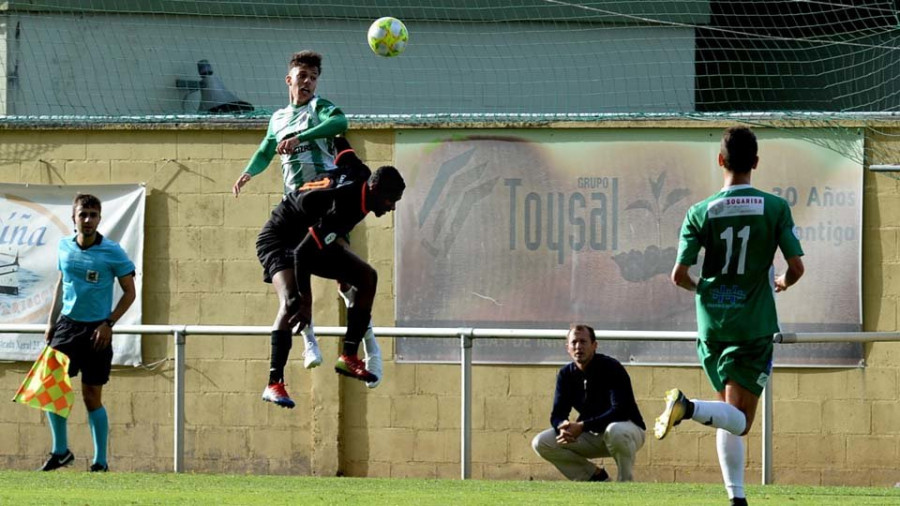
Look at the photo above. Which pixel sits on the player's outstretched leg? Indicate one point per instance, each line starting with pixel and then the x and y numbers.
pixel 312 356
pixel 371 350
pixel 677 409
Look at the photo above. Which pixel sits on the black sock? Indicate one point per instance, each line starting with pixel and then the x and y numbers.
pixel 688 410
pixel 357 325
pixel 281 347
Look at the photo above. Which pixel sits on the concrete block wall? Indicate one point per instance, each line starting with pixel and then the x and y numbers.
pixel 839 427
pixel 200 268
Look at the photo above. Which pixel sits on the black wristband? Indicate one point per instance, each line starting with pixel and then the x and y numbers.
pixel 110 323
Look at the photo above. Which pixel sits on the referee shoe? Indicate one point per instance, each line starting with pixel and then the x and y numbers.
pixel 56 461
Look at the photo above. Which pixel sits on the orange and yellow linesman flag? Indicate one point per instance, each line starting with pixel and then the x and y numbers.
pixel 47 385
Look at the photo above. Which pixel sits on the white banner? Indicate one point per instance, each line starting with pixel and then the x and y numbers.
pixel 33 218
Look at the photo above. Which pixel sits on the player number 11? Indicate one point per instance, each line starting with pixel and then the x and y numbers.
pixel 728 236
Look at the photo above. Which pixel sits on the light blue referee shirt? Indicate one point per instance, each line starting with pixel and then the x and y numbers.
pixel 88 276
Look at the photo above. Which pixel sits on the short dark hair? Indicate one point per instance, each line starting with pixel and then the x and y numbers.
pixel 308 58
pixel 583 327
pixel 739 149
pixel 86 200
pixel 388 180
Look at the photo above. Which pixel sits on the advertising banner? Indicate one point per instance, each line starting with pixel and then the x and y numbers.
pixel 543 228
pixel 33 219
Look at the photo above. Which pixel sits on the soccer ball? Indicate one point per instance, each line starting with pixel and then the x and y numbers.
pixel 388 36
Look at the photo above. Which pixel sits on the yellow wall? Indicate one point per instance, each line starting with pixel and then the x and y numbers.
pixel 831 427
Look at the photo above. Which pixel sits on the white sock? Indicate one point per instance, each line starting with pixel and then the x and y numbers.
pixel 349 296
pixel 370 345
pixel 309 335
pixel 731 461
pixel 720 415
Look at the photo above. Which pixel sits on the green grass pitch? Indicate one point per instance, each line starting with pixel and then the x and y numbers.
pixel 68 487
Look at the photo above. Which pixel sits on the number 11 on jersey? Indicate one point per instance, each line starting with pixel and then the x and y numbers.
pixel 728 236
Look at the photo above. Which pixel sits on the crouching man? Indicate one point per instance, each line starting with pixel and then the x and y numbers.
pixel 609 423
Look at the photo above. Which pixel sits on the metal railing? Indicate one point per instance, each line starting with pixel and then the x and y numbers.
pixel 466 336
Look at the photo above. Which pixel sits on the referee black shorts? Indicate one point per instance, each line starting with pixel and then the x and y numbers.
pixel 74 339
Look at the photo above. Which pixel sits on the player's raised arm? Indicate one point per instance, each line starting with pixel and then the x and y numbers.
pixel 333 123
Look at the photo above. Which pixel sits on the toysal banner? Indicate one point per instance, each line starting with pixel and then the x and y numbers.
pixel 540 228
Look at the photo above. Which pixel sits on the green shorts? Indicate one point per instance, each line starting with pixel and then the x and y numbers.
pixel 747 363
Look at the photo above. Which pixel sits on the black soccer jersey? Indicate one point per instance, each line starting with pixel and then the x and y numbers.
pixel 326 208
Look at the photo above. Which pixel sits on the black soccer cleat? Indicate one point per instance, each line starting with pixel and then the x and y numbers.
pixel 97 467
pixel 56 461
pixel 600 475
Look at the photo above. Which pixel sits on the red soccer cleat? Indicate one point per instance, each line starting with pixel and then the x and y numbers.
pixel 354 368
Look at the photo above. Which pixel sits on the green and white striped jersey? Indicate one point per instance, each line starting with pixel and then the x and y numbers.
pixel 315 124
pixel 739 228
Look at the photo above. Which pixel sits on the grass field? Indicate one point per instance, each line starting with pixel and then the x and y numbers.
pixel 78 488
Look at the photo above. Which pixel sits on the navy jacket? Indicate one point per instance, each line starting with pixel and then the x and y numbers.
pixel 601 394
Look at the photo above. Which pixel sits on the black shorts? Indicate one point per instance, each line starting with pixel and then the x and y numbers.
pixel 74 339
pixel 275 251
